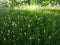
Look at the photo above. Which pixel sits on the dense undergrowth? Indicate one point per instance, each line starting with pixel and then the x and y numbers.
pixel 26 27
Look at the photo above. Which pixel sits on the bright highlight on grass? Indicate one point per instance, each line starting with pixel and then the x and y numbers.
pixel 27 7
pixel 34 7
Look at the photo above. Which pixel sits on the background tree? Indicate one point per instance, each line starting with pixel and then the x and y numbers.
pixel 31 2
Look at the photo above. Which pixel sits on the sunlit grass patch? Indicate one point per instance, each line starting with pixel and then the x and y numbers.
pixel 29 26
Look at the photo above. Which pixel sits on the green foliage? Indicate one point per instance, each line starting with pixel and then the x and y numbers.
pixel 20 2
pixel 29 2
pixel 24 27
pixel 44 3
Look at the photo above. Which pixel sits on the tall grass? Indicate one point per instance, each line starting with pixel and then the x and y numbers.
pixel 26 27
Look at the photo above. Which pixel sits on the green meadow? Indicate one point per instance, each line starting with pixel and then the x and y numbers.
pixel 29 27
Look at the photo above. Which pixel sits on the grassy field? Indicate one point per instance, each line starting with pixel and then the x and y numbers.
pixel 29 27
